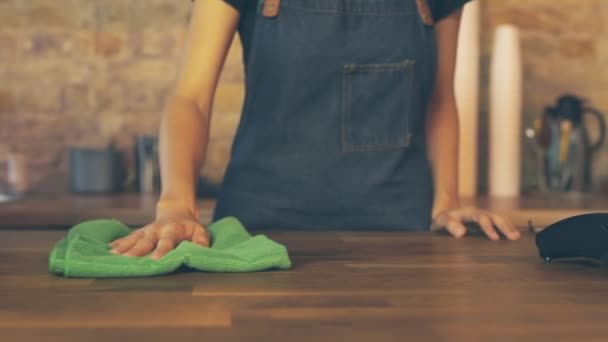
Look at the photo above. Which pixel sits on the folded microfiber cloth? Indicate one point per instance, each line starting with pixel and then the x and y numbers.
pixel 85 252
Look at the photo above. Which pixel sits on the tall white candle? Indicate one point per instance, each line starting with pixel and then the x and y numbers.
pixel 505 113
pixel 467 96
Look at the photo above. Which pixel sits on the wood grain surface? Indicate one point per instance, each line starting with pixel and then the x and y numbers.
pixel 344 286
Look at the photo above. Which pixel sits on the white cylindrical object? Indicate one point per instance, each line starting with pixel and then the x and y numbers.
pixel 18 177
pixel 466 86
pixel 505 113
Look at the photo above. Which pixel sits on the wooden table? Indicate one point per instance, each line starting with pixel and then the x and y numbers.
pixel 344 286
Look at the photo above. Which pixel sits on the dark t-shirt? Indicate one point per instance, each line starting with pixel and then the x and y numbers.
pixel 440 8
pixel 247 8
pixel 240 4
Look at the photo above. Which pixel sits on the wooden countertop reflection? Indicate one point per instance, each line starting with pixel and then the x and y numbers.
pixel 46 211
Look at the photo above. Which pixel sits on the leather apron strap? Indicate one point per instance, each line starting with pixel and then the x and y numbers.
pixel 425 12
pixel 271 8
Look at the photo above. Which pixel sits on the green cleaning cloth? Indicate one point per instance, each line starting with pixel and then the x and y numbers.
pixel 85 252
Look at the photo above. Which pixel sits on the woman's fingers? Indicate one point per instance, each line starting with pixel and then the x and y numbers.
pixel 491 224
pixel 456 228
pixel 124 244
pixel 486 225
pixel 164 246
pixel 161 236
pixel 200 237
pixel 117 241
pixel 506 227
pixel 123 239
pixel 437 225
pixel 144 246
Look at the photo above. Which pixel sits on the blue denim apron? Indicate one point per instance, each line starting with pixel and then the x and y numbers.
pixel 332 133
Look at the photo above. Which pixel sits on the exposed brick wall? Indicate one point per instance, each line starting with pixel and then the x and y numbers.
pixel 86 72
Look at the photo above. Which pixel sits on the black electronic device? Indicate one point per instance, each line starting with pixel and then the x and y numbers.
pixel 578 236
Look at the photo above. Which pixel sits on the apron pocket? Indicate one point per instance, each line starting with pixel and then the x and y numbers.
pixel 376 105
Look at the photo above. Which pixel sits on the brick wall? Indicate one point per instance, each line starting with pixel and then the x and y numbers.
pixel 87 72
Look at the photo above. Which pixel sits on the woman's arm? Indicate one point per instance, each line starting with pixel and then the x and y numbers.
pixel 184 131
pixel 184 134
pixel 442 117
pixel 442 141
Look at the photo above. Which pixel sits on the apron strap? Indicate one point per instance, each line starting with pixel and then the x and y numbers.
pixel 425 12
pixel 271 8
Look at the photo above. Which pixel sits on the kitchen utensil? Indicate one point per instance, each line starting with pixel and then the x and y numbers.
pixel 542 129
pixel 564 143
pixel 18 177
pixel 147 167
pixel 94 170
pixel 570 151
pixel 539 157
pixel 16 182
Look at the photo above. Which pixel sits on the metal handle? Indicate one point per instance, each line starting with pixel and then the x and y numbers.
pixel 602 126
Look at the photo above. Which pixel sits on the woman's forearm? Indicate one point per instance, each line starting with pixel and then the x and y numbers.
pixel 183 139
pixel 442 120
pixel 184 131
pixel 442 141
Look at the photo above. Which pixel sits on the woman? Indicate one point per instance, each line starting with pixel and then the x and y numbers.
pixel 349 121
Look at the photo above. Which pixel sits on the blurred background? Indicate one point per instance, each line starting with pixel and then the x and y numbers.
pixel 79 78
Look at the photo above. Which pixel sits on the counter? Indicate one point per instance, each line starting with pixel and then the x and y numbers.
pixel 344 286
pixel 41 212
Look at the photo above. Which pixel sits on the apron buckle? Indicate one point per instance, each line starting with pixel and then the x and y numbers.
pixel 425 12
pixel 271 8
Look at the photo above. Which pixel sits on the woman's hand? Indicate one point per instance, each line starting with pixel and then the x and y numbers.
pixel 174 223
pixel 453 220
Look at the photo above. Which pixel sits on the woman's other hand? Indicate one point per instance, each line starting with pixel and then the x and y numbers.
pixel 453 221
